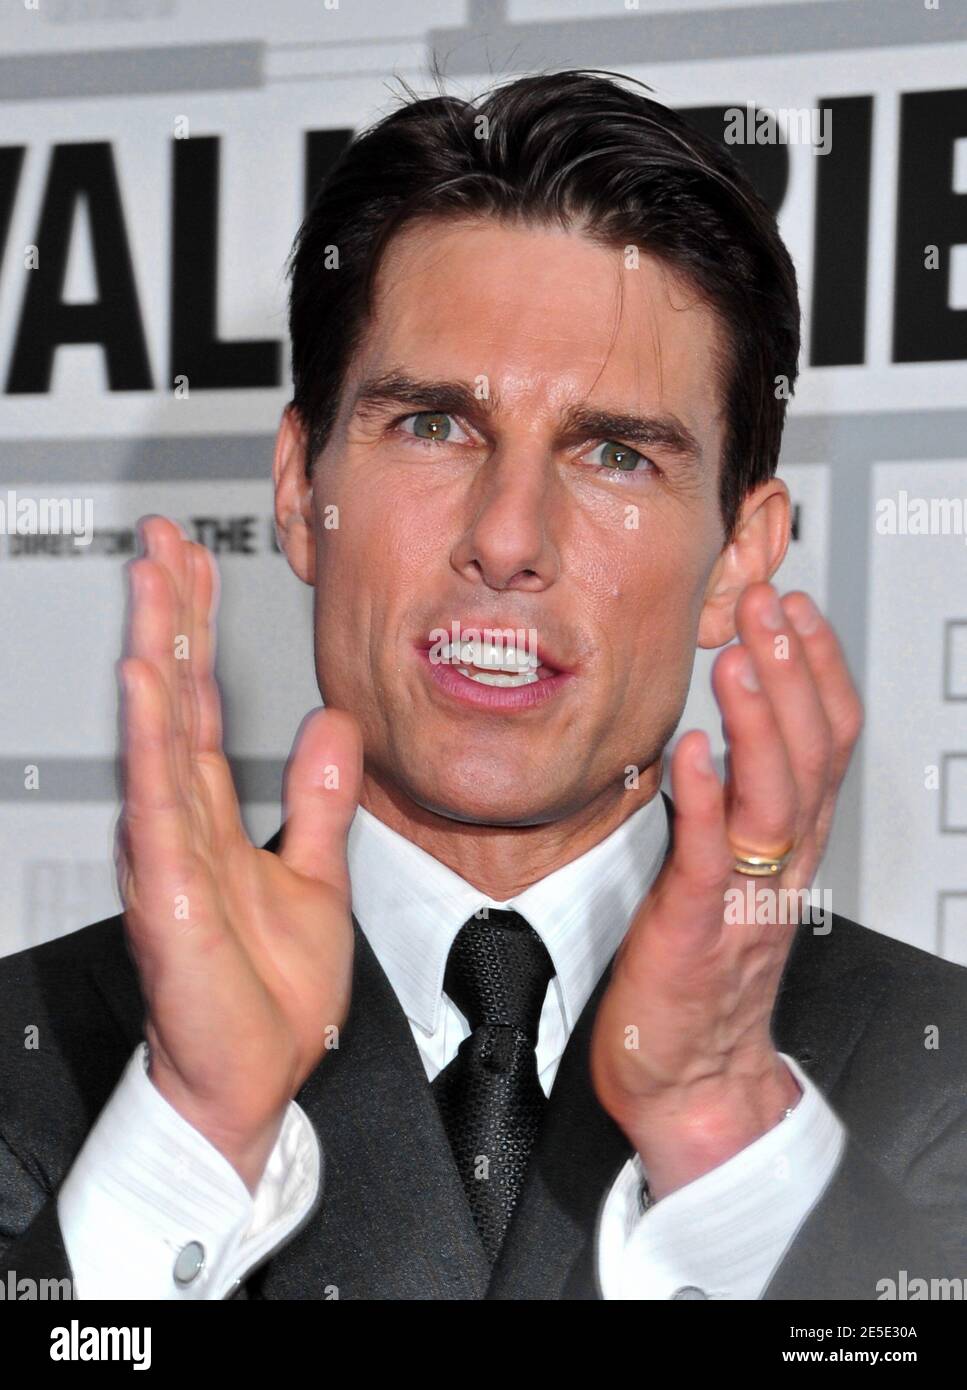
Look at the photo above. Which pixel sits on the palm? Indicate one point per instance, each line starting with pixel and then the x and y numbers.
pixel 245 956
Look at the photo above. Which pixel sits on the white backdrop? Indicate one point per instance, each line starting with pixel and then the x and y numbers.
pixel 91 88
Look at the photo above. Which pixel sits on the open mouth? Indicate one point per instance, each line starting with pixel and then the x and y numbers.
pixel 502 665
pixel 493 674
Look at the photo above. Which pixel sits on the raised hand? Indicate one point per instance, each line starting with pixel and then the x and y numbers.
pixel 682 1054
pixel 245 956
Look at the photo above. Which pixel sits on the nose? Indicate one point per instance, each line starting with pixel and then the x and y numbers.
pixel 508 543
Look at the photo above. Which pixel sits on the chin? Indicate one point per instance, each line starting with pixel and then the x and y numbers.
pixel 476 802
pixel 498 816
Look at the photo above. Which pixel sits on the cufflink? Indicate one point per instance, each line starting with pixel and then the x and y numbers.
pixel 689 1291
pixel 189 1264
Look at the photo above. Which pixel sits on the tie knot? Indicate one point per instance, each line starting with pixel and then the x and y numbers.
pixel 498 971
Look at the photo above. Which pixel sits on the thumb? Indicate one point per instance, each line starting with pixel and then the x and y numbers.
pixel 321 791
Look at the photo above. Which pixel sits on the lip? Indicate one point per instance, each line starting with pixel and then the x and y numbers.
pixel 495 698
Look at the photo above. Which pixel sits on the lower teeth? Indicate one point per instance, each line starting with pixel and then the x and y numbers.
pixel 501 678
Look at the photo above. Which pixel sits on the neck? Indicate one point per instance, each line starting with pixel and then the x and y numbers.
pixel 503 860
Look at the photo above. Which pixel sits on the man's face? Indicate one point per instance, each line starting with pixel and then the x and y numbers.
pixel 511 511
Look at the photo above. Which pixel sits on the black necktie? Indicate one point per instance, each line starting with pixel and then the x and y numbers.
pixel 490 1098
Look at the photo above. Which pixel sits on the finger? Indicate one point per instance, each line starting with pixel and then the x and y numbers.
pixel 700 864
pixel 844 709
pixel 166 630
pixel 208 707
pixel 841 702
pixel 787 679
pixel 322 784
pixel 156 828
pixel 169 548
pixel 150 638
pixel 185 650
pixel 221 815
pixel 761 800
pixel 165 541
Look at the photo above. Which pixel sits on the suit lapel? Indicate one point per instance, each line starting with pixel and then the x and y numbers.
pixel 393 1221
pixel 810 1021
pixel 549 1249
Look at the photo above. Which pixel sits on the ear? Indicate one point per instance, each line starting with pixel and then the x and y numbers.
pixel 754 554
pixel 293 497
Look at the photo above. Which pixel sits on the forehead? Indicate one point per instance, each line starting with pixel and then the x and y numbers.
pixel 549 318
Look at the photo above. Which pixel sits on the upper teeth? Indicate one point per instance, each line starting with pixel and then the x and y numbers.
pixel 490 656
pixel 491 663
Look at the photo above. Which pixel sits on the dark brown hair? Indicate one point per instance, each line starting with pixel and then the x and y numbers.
pixel 579 149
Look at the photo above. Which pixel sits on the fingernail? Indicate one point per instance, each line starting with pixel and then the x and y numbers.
pixel 771 612
pixel 702 760
pixel 747 675
pixel 805 617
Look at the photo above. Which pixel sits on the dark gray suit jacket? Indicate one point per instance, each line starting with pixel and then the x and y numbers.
pixel 854 1009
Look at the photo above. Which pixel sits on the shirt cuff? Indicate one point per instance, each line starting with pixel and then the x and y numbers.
pixel 148 1197
pixel 722 1235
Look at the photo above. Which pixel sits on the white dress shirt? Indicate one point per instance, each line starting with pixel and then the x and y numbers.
pixel 150 1209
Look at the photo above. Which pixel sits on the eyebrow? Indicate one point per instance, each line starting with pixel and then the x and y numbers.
pixel 578 423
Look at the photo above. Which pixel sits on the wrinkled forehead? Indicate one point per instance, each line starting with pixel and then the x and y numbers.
pixel 544 318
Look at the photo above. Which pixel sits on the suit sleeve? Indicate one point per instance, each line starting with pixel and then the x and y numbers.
pixel 869 1237
pixel 151 1210
pixel 896 1208
pixel 31 1243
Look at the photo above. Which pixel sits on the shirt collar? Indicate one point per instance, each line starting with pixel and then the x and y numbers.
pixel 410 907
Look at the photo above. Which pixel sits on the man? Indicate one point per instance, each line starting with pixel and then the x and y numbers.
pixel 484 1022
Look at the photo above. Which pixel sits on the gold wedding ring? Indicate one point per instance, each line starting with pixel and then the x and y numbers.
pixel 761 865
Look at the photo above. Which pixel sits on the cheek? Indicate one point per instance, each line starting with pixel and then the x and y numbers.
pixel 370 565
pixel 645 575
pixel 386 524
pixel 646 592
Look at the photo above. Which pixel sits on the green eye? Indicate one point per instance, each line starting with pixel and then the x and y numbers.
pixel 619 456
pixel 431 424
